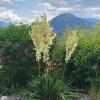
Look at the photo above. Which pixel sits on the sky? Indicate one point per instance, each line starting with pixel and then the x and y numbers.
pixel 27 11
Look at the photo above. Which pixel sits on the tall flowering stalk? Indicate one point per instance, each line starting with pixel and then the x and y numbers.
pixel 48 37
pixel 71 45
pixel 42 36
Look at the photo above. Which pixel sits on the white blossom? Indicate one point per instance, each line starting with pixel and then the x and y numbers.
pixel 71 45
pixel 42 37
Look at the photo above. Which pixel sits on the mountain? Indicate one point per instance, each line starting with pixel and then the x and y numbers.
pixel 62 21
pixel 93 20
pixel 3 24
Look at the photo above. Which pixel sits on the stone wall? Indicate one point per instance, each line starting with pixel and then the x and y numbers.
pixel 13 97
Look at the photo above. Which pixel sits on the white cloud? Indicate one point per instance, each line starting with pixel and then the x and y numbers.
pixel 52 10
pixel 93 12
pixel 93 9
pixel 9 2
pixel 63 9
pixel 80 8
pixel 11 16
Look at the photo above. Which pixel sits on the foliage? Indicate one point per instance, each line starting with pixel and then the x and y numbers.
pixel 48 88
pixel 86 55
pixel 95 89
pixel 79 69
pixel 18 62
pixel 17 57
pixel 95 83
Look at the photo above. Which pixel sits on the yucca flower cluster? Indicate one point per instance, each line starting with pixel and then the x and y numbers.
pixel 71 44
pixel 42 37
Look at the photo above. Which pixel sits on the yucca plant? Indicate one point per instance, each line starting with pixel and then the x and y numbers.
pixel 71 45
pixel 42 36
pixel 48 88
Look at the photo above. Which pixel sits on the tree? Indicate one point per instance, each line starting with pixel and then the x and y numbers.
pixel 16 56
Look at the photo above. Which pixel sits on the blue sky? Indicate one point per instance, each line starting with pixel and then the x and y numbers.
pixel 27 10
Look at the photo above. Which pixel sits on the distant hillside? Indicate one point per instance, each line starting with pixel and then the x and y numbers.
pixel 3 24
pixel 60 22
pixel 92 20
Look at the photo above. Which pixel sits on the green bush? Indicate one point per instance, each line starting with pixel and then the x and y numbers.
pixel 17 57
pixel 48 88
pixel 86 55
pixel 95 88
pixel 79 70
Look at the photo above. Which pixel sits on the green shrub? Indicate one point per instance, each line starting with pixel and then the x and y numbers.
pixel 95 89
pixel 48 88
pixel 16 56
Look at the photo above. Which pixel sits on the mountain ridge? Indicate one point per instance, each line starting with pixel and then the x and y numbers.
pixel 62 21
pixel 3 24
